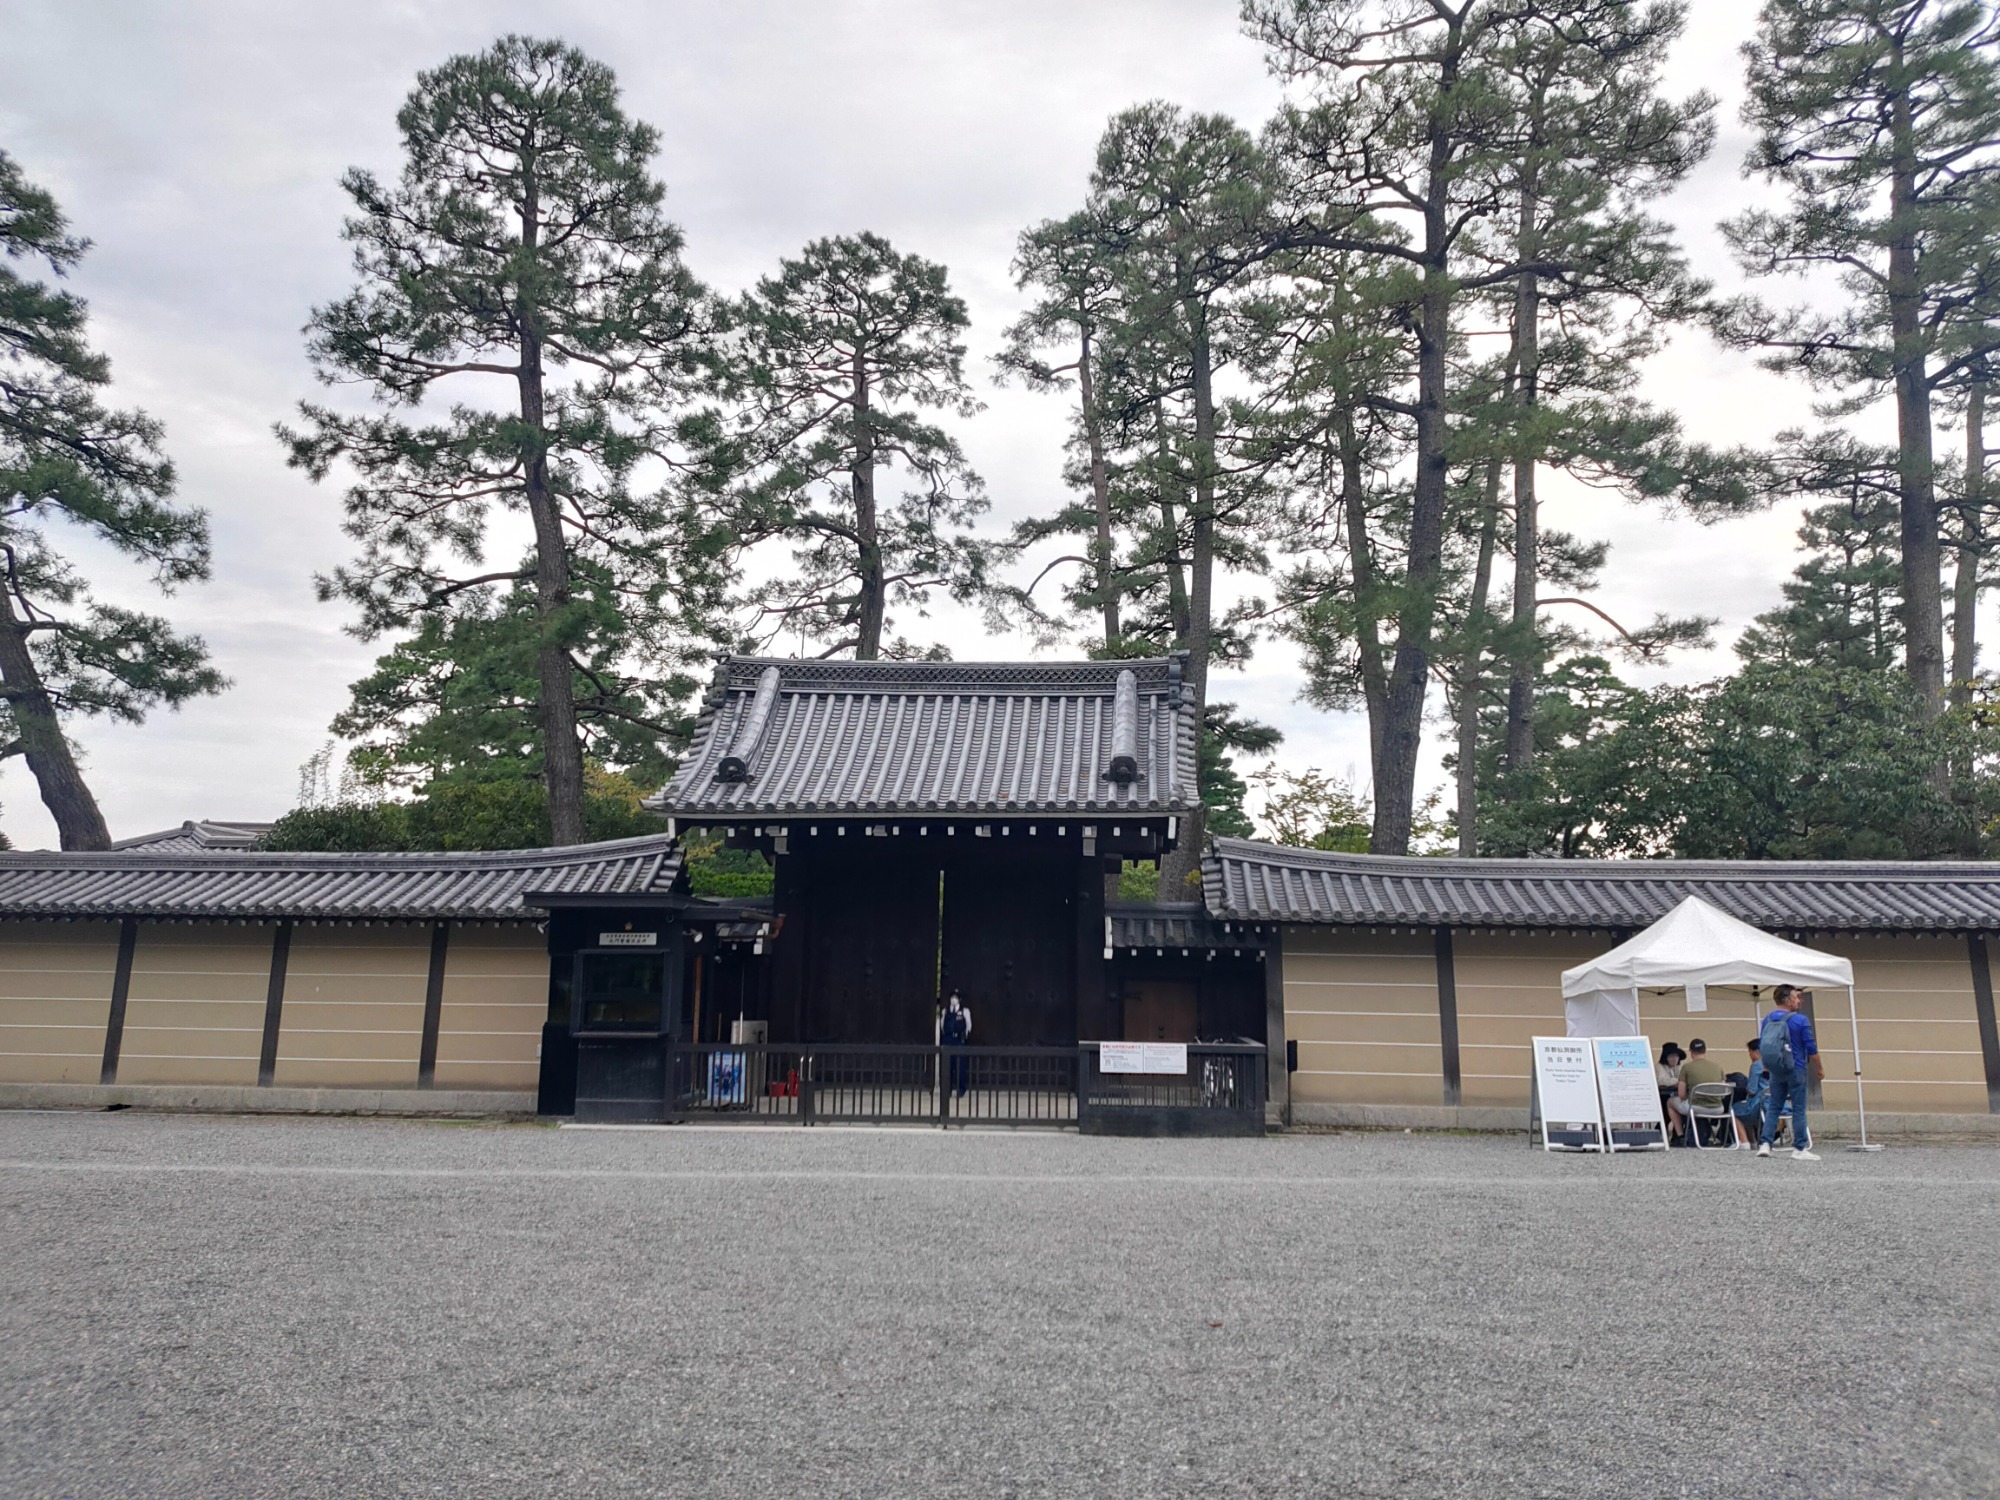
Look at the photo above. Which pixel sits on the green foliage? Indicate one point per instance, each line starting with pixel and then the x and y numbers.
pixel 342 828
pixel 1784 761
pixel 1137 882
pixel 1314 810
pixel 1222 786
pixel 480 815
pixel 1843 604
pixel 72 468
pixel 714 870
pixel 458 700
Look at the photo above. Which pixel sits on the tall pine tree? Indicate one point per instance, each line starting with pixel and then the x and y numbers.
pixel 832 365
pixel 1878 121
pixel 68 463
pixel 521 268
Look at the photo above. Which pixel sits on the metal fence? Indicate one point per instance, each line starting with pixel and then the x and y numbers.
pixel 1221 1093
pixel 844 1083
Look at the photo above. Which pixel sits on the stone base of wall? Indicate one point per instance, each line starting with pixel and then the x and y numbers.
pixel 217 1099
pixel 1841 1125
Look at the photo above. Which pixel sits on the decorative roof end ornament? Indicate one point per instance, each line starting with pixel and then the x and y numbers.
pixel 735 766
pixel 1124 764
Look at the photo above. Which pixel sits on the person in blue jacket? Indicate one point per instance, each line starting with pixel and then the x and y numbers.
pixel 1789 1049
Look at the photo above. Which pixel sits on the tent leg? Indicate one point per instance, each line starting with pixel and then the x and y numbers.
pixel 1860 1103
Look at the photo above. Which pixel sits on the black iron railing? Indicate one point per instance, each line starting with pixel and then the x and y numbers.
pixel 1222 1090
pixel 847 1083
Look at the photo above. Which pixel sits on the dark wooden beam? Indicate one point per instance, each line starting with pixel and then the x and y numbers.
pixel 274 1004
pixel 1989 1030
pixel 427 1052
pixel 121 989
pixel 1447 987
pixel 1277 1056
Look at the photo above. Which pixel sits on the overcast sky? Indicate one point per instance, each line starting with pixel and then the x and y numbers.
pixel 199 143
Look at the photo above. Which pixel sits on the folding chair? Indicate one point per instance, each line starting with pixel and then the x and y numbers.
pixel 1712 1102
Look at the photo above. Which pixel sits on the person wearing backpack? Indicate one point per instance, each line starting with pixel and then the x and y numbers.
pixel 1787 1046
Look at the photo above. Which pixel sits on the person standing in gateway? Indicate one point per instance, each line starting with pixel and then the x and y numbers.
pixel 1790 1051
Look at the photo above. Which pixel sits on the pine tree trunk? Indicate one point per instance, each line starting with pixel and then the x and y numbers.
pixel 1100 492
pixel 1923 604
pixel 1972 540
pixel 872 607
pixel 1469 670
pixel 1416 616
pixel 1525 653
pixel 79 824
pixel 1181 864
pixel 1170 524
pixel 1361 561
pixel 562 748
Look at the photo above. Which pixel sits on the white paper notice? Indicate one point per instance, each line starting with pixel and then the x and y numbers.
pixel 1625 1079
pixel 1697 994
pixel 1142 1057
pixel 1568 1081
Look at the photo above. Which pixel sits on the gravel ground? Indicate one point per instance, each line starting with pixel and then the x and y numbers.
pixel 219 1307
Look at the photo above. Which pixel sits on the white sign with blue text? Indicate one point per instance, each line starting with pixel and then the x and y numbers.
pixel 1630 1093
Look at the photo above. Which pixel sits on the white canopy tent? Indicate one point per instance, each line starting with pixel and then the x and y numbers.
pixel 1691 948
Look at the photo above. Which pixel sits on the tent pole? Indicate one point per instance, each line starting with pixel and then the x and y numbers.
pixel 1860 1104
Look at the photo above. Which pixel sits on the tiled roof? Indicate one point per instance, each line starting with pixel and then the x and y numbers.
pixel 197 833
pixel 1176 925
pixel 330 887
pixel 1253 881
pixel 820 738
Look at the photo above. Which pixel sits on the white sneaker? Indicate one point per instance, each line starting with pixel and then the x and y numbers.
pixel 1803 1155
pixel 1764 1148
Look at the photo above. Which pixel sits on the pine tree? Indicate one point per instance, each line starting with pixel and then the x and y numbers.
pixel 1454 165
pixel 831 365
pixel 1843 603
pixel 1183 197
pixel 457 701
pixel 1878 121
pixel 69 462
pixel 1059 341
pixel 521 251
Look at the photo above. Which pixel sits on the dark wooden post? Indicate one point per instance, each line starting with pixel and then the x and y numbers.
pixel 1447 985
pixel 121 988
pixel 427 1052
pixel 274 1004
pixel 1989 1031
pixel 789 883
pixel 1277 1056
pixel 1092 1021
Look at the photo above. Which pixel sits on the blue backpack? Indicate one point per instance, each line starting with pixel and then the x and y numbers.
pixel 1774 1042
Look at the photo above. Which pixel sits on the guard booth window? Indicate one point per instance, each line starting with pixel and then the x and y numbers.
pixel 621 991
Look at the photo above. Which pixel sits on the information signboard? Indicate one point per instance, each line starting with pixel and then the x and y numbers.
pixel 628 940
pixel 1630 1094
pixel 1142 1057
pixel 1566 1090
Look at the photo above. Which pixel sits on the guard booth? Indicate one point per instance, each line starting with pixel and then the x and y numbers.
pixel 629 983
pixel 934 828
